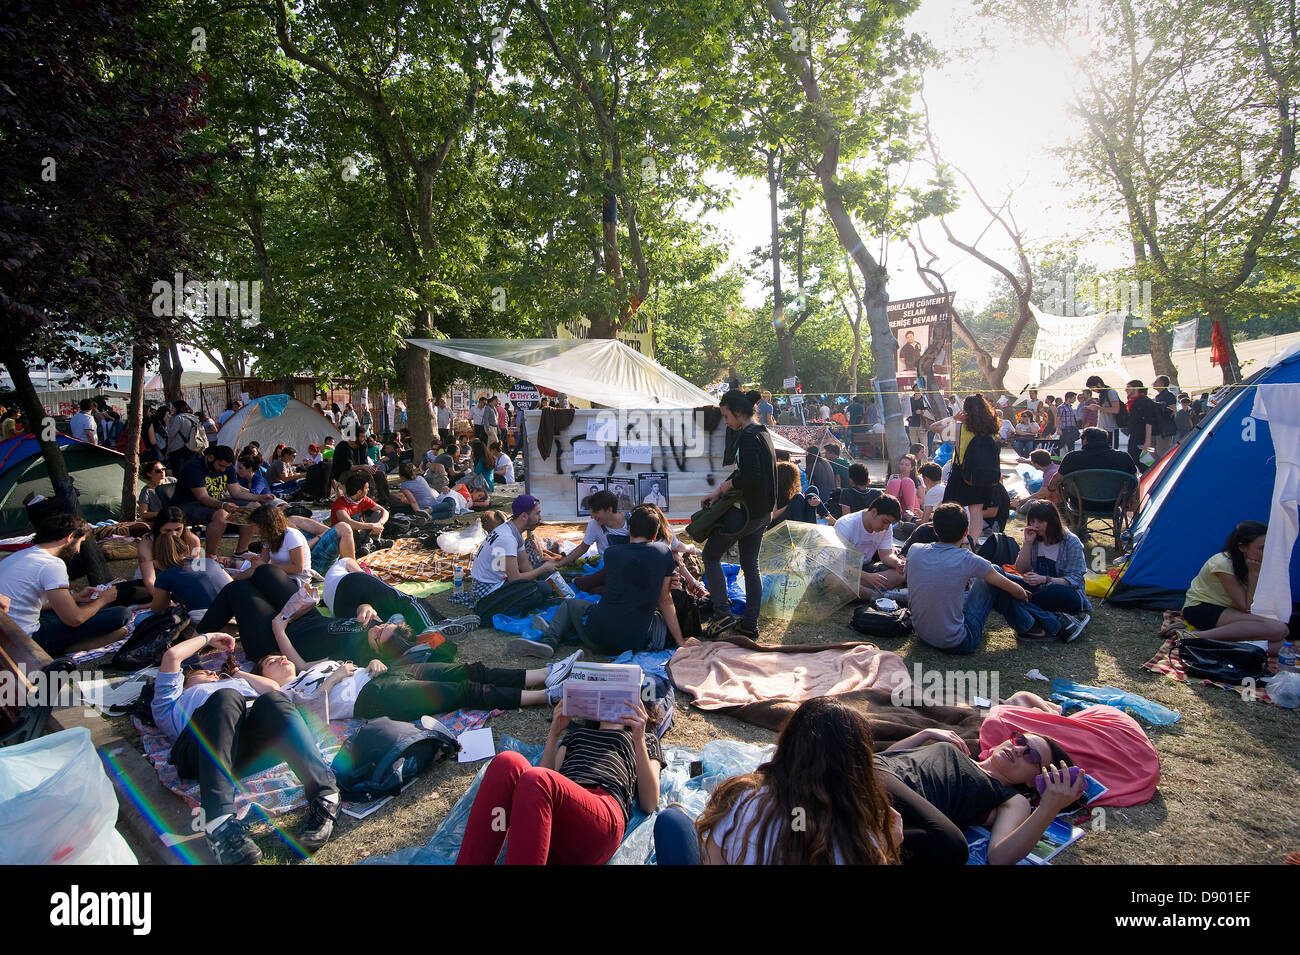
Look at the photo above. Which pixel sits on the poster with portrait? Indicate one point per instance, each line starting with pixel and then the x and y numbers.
pixel 587 486
pixel 917 323
pixel 652 488
pixel 623 488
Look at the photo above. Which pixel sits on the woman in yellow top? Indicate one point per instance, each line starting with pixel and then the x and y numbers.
pixel 1219 598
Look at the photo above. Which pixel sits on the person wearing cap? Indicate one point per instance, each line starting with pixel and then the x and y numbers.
pixel 503 578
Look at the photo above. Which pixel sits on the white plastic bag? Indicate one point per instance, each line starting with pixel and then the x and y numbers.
pixel 57 805
pixel 463 542
pixel 1284 689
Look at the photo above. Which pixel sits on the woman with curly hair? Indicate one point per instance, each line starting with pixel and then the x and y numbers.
pixel 819 801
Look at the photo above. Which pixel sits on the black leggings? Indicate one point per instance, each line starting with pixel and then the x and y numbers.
pixel 224 741
pixel 929 837
pixel 407 693
pixel 356 589
pixel 253 603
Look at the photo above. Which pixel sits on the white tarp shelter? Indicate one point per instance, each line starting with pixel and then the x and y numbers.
pixel 1195 373
pixel 276 419
pixel 600 370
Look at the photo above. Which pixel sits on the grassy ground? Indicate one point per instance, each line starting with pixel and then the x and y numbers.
pixel 1229 768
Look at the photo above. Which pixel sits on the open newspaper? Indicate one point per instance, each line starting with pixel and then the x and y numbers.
pixel 601 691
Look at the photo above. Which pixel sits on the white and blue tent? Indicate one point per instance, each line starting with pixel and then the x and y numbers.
pixel 1242 463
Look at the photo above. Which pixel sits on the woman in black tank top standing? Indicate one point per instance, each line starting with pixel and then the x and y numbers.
pixel 749 444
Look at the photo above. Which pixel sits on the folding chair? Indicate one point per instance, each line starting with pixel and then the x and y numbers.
pixel 1097 496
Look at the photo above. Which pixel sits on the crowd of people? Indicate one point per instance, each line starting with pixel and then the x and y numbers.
pixel 917 534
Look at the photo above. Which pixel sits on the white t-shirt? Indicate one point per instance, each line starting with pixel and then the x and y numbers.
pixel 490 561
pixel 858 537
pixel 308 458
pixel 602 537
pixel 934 496
pixel 24 578
pixel 444 419
pixel 82 422
pixel 343 695
pixel 1105 420
pixel 506 463
pixel 293 538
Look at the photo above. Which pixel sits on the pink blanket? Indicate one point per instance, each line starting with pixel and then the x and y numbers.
pixel 1106 743
pixel 724 675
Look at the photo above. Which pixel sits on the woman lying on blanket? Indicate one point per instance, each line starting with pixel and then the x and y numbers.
pixel 939 789
pixel 255 603
pixel 1219 600
pixel 572 808
pixel 818 801
pixel 339 690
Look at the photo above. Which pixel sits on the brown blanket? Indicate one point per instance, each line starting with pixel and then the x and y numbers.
pixel 764 685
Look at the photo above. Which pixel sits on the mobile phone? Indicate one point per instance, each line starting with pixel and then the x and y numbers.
pixel 1040 781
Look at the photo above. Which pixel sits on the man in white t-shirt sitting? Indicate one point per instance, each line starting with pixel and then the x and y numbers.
pixel 217 737
pixel 870 531
pixel 41 601
pixel 606 525
pixel 503 577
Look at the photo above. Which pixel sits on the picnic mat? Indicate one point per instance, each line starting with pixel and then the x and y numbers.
pixel 1172 667
pixel 889 722
pixel 408 559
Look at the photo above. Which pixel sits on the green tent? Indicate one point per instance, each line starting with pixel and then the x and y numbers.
pixel 96 471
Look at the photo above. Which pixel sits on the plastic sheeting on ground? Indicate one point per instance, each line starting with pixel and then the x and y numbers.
pixel 720 759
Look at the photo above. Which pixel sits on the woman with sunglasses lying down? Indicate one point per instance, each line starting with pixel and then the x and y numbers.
pixel 940 789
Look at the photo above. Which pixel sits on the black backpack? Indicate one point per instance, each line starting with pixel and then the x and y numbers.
pixel 151 638
pixel 384 755
pixel 980 466
pixel 891 624
pixel 999 549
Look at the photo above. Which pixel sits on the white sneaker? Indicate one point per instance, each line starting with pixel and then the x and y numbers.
pixel 557 673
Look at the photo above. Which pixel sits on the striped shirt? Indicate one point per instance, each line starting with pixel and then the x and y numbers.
pixel 606 758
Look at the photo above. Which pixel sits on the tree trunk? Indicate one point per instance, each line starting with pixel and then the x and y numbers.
pixel 134 425
pixel 42 427
pixel 419 391
pixel 994 376
pixel 1161 360
pixel 785 342
pixel 778 299
pixel 38 422
pixel 857 353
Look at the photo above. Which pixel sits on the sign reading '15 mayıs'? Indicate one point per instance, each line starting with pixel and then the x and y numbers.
pixel 525 395
pixel 917 324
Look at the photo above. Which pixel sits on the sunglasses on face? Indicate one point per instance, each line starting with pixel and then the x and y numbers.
pixel 1027 752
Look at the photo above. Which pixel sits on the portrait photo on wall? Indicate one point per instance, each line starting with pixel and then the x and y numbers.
pixel 588 486
pixel 652 488
pixel 623 488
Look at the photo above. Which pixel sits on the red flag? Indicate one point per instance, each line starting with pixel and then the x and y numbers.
pixel 1218 346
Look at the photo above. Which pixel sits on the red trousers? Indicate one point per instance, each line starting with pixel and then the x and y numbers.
pixel 549 818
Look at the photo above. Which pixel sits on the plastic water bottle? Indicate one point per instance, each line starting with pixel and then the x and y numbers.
pixel 1286 656
pixel 458 577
